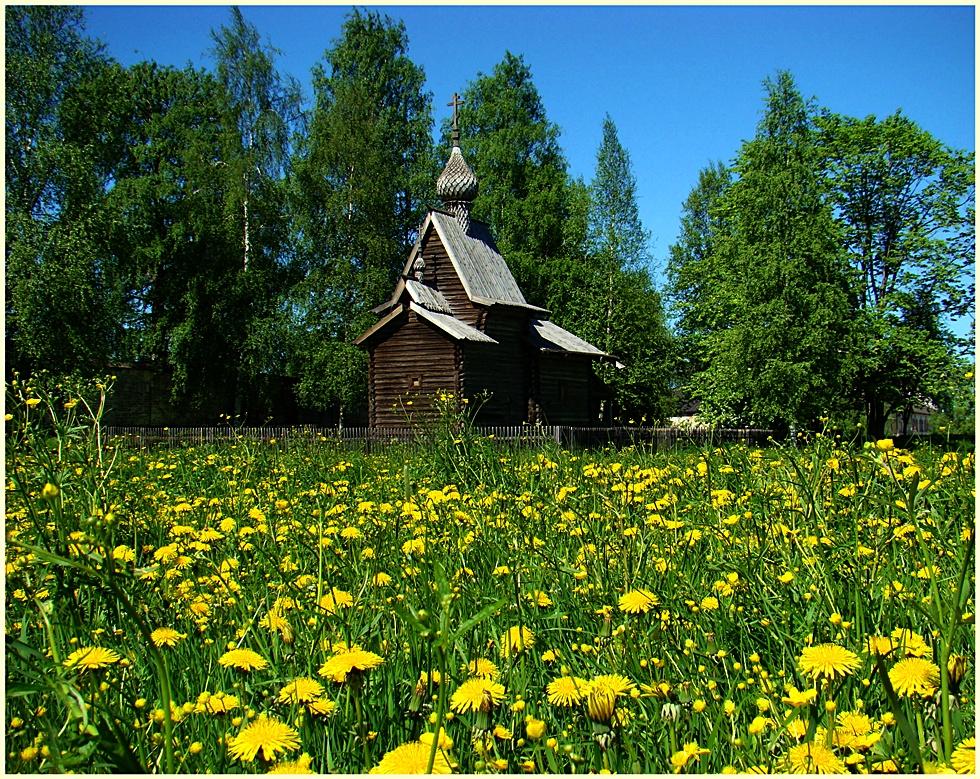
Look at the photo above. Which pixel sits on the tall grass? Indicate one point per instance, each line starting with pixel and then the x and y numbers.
pixel 430 556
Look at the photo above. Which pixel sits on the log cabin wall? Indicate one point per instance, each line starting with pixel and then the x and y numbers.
pixel 563 389
pixel 414 364
pixel 440 274
pixel 501 370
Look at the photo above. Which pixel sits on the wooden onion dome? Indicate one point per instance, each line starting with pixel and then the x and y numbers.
pixel 457 186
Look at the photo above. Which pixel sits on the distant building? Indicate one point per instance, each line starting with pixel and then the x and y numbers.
pixel 918 421
pixel 457 322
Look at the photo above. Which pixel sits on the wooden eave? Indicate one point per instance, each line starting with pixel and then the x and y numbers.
pixel 380 325
pixel 451 326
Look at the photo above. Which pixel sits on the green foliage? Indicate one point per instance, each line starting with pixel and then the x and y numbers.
pixel 514 152
pixel 822 278
pixel 617 236
pixel 704 605
pixel 62 302
pixel 690 270
pixel 905 204
pixel 362 183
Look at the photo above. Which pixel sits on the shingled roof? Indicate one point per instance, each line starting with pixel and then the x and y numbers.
pixel 482 270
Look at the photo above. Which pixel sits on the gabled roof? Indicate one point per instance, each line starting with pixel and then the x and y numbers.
pixel 482 271
pixel 451 326
pixel 448 324
pixel 546 336
pixel 427 297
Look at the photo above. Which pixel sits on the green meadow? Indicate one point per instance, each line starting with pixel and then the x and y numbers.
pixel 461 606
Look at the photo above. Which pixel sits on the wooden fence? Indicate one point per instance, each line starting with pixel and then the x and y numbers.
pixel 564 435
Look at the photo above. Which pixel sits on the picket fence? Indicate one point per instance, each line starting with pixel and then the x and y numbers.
pixel 564 435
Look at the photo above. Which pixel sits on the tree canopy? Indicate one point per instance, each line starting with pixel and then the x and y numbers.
pixel 212 223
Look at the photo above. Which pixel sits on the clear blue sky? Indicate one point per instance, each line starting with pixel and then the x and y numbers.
pixel 683 84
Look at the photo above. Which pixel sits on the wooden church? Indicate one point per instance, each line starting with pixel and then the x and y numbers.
pixel 457 322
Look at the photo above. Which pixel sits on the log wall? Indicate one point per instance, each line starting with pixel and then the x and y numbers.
pixel 562 389
pixel 440 273
pixel 407 371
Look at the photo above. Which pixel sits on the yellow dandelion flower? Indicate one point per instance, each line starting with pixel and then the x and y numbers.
pixel 300 765
pixel 964 757
pixel 797 699
pixel 879 645
pixel 301 690
pixel 601 701
pixel 911 643
pixel 476 694
pixel 827 661
pixel 852 731
pixel 483 668
pixel 166 637
pixel 567 691
pixel 218 703
pixel 90 658
pixel 275 622
pixel 914 676
pixel 322 707
pixel 516 640
pixel 691 751
pixel 412 758
pixel 540 599
pixel 266 735
pixel 339 666
pixel 758 725
pixel 336 599
pixel 620 685
pixel 535 728
pixel 444 741
pixel 814 758
pixel 638 601
pixel 243 660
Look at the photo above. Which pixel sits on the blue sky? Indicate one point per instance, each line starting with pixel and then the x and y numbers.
pixel 682 83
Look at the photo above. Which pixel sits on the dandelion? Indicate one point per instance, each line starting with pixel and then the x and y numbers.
pixel 243 660
pixel 444 741
pixel 301 690
pixel 218 703
pixel 534 728
pixel 827 661
pixel 540 599
pixel 516 640
pixel 483 668
pixel 601 701
pixel 300 765
pixel 911 643
pixel 814 758
pixel 336 599
pixel 758 725
pixel 879 645
pixel 567 691
pixel 321 707
pixel 637 601
pixel 620 685
pixel 797 699
pixel 914 676
pixel 412 758
pixel 266 735
pixel 854 731
pixel 339 666
pixel 166 637
pixel 90 658
pixel 964 757
pixel 691 751
pixel 476 694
